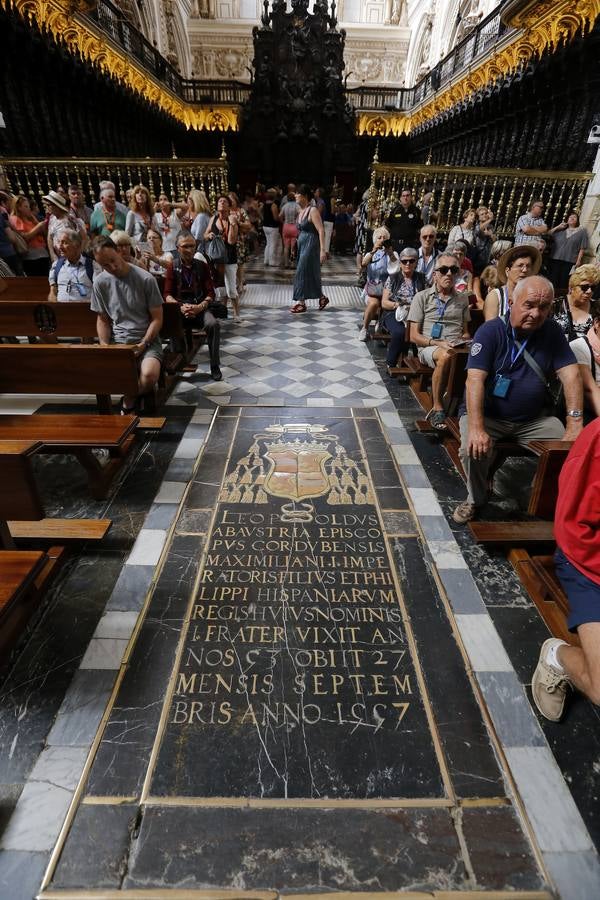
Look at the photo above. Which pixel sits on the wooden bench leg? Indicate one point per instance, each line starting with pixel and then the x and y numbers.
pixel 6 539
pixel 100 477
pixel 104 404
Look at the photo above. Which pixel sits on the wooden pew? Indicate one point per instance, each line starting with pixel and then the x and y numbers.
pixel 551 457
pixel 22 515
pixel 70 370
pixel 43 319
pixel 49 320
pixel 537 576
pixel 544 491
pixel 24 574
pixel 508 534
pixel 78 435
pixel 72 319
pixel 19 289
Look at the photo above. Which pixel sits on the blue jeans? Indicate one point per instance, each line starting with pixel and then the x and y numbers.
pixel 397 343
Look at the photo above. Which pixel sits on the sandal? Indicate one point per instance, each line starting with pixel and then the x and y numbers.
pixel 323 302
pixel 298 308
pixel 437 419
pixel 126 410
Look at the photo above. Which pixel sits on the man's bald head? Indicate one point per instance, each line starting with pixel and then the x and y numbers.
pixel 531 303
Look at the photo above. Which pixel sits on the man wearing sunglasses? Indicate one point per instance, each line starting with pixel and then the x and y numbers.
pixel 440 317
pixel 507 397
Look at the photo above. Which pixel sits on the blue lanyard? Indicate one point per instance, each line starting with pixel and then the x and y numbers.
pixel 514 353
pixel 511 347
pixel 442 307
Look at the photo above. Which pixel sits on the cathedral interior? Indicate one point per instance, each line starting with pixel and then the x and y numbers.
pixel 210 678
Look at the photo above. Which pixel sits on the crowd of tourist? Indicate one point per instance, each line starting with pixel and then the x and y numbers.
pixel 534 297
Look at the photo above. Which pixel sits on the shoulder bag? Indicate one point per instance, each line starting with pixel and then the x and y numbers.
pixel 216 250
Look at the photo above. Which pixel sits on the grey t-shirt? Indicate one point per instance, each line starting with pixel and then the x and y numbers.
pixel 426 310
pixel 126 301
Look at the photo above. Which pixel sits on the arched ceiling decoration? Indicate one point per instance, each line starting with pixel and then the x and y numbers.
pixel 219 37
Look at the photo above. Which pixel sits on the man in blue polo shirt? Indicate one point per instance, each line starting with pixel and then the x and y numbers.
pixel 509 365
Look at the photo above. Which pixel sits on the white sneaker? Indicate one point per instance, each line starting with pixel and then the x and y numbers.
pixel 237 320
pixel 362 334
pixel 549 685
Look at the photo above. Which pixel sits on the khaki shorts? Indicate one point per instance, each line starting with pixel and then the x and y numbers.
pixel 154 351
pixel 426 356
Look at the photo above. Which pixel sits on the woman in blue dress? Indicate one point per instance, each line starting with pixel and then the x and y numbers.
pixel 311 253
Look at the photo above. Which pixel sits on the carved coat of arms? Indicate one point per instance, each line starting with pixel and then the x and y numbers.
pixel 297 462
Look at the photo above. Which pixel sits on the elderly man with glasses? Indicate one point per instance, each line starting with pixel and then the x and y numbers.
pixel 440 318
pixel 428 253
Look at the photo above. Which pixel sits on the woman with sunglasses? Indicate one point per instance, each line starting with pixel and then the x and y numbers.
pixel 574 313
pixel 401 286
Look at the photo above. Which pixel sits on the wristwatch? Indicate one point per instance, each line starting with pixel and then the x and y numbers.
pixel 575 413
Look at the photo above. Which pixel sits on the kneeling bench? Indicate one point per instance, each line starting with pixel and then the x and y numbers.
pixel 22 515
pixel 78 435
pixel 538 577
pixel 23 576
pixel 69 369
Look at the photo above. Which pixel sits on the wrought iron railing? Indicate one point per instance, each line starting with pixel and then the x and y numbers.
pixel 112 22
pixel 217 92
pixel 507 192
pixel 377 98
pixel 478 42
pixel 35 177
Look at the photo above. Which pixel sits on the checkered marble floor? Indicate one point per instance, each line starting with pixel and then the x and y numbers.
pixel 338 269
pixel 276 359
pixel 343 296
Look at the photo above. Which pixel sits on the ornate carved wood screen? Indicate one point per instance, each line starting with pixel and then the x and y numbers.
pixel 297 121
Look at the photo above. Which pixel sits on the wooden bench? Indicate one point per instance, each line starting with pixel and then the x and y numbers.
pixel 510 534
pixel 69 370
pixel 544 491
pixel 538 577
pixel 18 289
pixel 43 319
pixel 419 380
pixel 78 435
pixel 22 515
pixel 551 456
pixel 24 574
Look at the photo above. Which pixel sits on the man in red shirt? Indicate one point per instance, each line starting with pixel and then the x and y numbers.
pixel 577 563
pixel 188 282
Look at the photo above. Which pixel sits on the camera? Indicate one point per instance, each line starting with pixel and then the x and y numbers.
pixel 387 244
